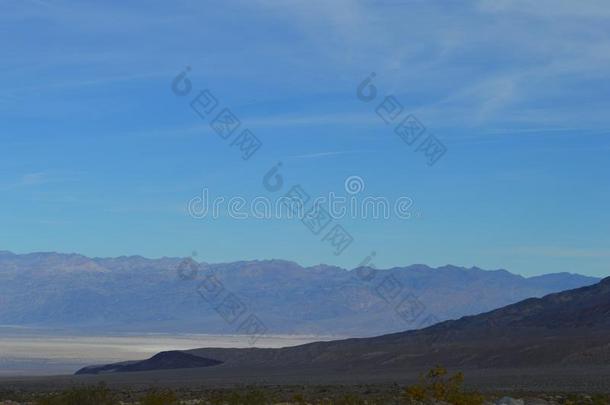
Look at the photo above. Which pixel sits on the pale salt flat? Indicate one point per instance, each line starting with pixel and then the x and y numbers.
pixel 25 354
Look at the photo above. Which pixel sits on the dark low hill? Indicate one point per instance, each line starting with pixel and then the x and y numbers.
pixel 162 361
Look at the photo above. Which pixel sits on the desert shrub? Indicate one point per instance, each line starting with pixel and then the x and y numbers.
pixel 350 399
pixel 216 398
pixel 159 398
pixel 437 385
pixel 251 396
pixel 256 397
pixel 600 399
pixel 97 395
pixel 299 399
pixel 577 399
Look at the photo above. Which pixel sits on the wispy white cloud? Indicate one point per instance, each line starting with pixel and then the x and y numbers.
pixel 32 179
pixel 46 177
pixel 94 81
pixel 549 9
pixel 37 179
pixel 344 119
pixel 326 154
pixel 481 65
pixel 561 252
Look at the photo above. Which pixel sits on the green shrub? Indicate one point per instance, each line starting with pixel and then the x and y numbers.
pixel 97 395
pixel 437 385
pixel 350 399
pixel 252 396
pixel 159 398
pixel 299 399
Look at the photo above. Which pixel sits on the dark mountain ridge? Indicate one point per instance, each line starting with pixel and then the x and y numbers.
pixel 571 327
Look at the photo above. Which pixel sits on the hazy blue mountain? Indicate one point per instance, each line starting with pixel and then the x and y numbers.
pixel 138 294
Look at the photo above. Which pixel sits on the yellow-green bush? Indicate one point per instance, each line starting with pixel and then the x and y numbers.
pixel 437 385
pixel 97 395
pixel 159 398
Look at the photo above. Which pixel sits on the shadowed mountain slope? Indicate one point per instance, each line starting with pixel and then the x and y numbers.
pixel 559 327
pixel 571 327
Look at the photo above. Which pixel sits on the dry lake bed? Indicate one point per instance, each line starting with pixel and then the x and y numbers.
pixel 24 352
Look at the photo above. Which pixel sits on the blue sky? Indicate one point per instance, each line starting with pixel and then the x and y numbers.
pixel 99 156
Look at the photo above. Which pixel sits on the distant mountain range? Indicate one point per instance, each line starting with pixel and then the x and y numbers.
pixel 135 294
pixel 563 329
